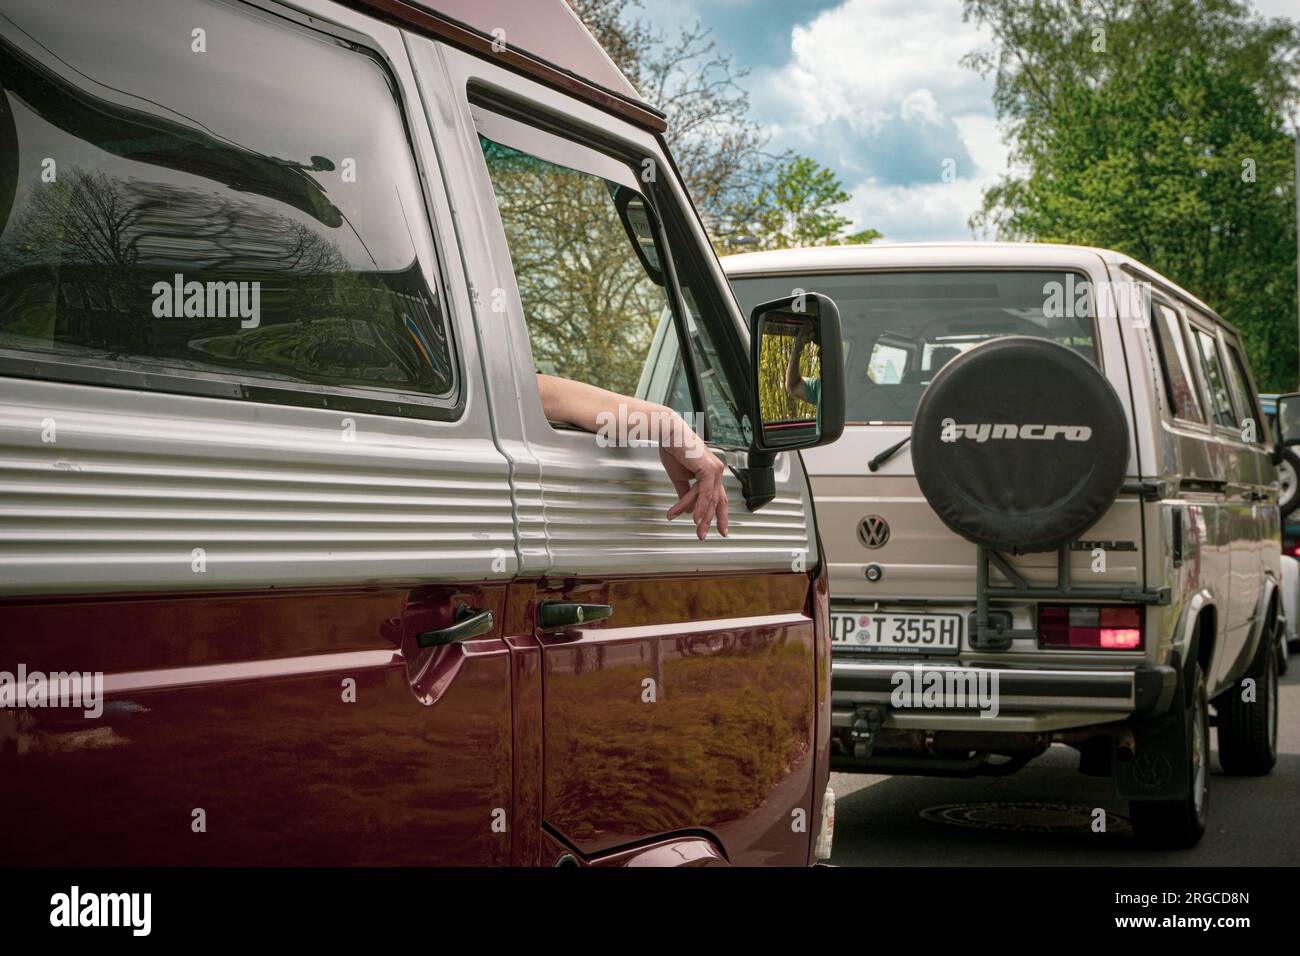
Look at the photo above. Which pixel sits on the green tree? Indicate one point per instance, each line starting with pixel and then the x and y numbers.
pixel 801 208
pixel 1156 128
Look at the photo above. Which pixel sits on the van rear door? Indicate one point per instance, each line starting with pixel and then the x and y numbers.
pixel 883 539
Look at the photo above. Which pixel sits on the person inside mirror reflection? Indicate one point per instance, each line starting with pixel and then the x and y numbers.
pixel 805 389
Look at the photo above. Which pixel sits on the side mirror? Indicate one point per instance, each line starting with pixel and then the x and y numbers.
pixel 796 370
pixel 1288 418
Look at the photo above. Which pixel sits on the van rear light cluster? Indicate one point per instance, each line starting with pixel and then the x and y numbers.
pixel 1086 627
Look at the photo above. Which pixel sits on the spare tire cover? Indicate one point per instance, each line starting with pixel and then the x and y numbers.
pixel 1020 444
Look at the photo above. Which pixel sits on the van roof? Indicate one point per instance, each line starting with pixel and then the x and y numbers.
pixel 543 39
pixel 929 255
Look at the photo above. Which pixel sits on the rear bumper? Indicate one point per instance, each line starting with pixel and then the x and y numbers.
pixel 1027 699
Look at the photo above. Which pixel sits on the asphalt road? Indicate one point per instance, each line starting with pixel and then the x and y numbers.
pixel 1254 821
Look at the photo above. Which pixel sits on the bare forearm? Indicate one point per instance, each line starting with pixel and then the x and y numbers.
pixel 696 473
pixel 582 405
pixel 793 380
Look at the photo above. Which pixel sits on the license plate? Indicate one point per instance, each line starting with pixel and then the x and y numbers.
pixel 906 633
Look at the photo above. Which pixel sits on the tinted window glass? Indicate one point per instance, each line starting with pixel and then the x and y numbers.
pixel 721 377
pixel 1239 381
pixel 900 328
pixel 1173 358
pixel 1215 384
pixel 243 200
pixel 591 305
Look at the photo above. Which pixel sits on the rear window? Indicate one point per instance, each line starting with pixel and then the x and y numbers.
pixel 900 328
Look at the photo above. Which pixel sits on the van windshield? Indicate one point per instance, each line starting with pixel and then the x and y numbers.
pixel 900 328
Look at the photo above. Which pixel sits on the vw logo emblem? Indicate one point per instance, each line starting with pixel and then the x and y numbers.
pixel 873 531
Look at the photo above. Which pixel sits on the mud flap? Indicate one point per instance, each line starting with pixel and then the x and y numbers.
pixel 1160 767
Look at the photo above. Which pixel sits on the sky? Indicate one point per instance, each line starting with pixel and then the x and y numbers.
pixel 873 89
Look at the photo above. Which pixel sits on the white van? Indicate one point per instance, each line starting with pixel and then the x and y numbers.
pixel 1052 518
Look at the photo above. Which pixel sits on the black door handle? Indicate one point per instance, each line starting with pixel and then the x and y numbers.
pixel 555 614
pixel 470 622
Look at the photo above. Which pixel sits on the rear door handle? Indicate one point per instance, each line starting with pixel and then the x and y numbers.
pixel 552 615
pixel 470 622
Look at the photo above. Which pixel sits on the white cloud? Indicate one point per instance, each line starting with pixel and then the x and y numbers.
pixel 1278 8
pixel 877 88
pixel 864 59
pixel 920 104
pixel 929 211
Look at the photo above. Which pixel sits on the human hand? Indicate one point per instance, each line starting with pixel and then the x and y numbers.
pixel 697 474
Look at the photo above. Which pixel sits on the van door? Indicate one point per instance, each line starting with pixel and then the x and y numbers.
pixel 275 537
pixel 1264 547
pixel 1239 516
pixel 678 675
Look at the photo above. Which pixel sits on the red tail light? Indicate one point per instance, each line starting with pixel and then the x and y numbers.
pixel 1081 627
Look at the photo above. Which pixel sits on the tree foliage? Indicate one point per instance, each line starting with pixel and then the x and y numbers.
pixel 800 207
pixel 592 311
pixel 1156 128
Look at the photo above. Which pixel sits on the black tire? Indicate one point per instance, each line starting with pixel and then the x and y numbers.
pixel 1283 652
pixel 1179 824
pixel 1248 729
pixel 1288 476
pixel 1020 444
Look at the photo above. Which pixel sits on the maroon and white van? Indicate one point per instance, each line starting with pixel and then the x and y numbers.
pixel 294 569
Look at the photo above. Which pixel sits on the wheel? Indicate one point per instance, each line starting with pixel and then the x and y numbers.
pixel 1288 476
pixel 1283 651
pixel 1178 824
pixel 1248 728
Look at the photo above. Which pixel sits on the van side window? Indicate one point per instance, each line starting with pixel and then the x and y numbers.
pixel 1173 360
pixel 1239 381
pixel 722 373
pixel 1215 384
pixel 592 303
pixel 166 217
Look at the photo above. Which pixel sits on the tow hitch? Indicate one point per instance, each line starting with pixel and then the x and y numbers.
pixel 866 728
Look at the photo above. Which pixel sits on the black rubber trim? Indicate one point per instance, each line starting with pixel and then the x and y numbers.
pixel 70 371
pixel 1153 688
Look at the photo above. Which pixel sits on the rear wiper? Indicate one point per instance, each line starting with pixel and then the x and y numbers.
pixel 887 454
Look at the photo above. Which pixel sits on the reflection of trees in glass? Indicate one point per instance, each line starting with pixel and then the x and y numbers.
pixel 86 217
pixel 590 307
pixel 90 218
pixel 775 403
pixel 81 258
